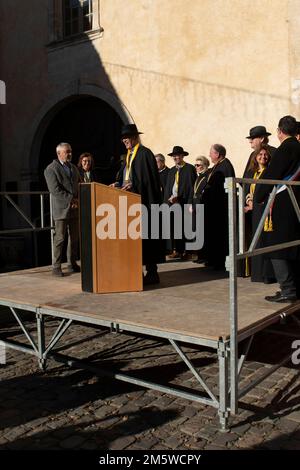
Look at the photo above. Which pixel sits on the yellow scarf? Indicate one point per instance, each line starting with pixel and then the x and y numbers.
pixel 256 176
pixel 129 163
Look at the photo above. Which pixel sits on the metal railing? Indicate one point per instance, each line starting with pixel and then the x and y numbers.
pixel 33 225
pixel 237 251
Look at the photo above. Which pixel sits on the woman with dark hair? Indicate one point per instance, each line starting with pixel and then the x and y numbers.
pixel 86 168
pixel 260 269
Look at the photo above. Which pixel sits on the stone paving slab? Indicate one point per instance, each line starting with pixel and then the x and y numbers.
pixel 65 408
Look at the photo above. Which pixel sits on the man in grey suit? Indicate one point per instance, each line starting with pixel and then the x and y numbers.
pixel 62 179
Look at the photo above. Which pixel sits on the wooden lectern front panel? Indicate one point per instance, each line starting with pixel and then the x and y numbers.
pixel 117 258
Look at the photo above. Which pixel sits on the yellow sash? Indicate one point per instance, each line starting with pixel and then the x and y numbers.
pixel 196 186
pixel 214 168
pixel 129 163
pixel 177 176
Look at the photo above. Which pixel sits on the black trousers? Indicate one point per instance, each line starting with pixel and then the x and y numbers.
pixel 284 274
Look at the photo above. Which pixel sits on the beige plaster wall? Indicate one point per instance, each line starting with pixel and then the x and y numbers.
pixel 195 72
pixel 189 72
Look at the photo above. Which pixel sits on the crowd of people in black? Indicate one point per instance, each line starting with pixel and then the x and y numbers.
pixel 184 184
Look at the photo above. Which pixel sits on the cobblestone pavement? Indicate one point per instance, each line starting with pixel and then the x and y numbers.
pixel 66 408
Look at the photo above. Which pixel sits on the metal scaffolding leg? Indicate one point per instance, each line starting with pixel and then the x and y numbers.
pixel 193 370
pixel 23 328
pixel 223 412
pixel 40 324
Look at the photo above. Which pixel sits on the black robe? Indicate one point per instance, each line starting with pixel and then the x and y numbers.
pixel 286 228
pixel 187 177
pixel 215 202
pixel 145 181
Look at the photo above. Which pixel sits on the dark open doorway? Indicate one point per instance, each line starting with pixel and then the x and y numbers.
pixel 89 125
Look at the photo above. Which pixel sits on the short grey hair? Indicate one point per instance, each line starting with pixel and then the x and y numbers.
pixel 62 145
pixel 203 160
pixel 161 157
pixel 220 149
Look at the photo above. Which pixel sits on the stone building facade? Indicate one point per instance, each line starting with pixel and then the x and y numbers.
pixel 187 72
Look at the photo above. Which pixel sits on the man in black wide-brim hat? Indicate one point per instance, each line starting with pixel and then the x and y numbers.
pixel 179 190
pixel 139 174
pixel 258 135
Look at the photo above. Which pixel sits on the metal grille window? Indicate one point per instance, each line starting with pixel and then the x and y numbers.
pixel 78 16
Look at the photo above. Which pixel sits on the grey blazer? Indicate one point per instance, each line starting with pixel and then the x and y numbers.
pixel 63 189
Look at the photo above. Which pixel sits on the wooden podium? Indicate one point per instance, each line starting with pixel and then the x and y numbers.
pixel 108 264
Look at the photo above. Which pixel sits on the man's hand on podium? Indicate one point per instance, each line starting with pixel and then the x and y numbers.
pixel 127 187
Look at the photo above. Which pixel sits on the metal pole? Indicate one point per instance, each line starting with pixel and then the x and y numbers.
pixel 241 218
pixel 232 268
pixel 42 210
pixel 40 323
pixel 223 386
pixel 52 229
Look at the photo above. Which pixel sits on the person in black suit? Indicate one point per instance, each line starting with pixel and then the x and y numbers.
pixel 259 267
pixel 215 203
pixel 282 224
pixel 179 190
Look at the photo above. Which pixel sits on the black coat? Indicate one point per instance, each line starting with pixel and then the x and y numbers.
pixel 199 186
pixel 261 268
pixel 286 227
pixel 93 175
pixel 247 167
pixel 187 177
pixel 163 177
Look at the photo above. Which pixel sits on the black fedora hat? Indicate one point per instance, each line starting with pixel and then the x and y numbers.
pixel 129 129
pixel 177 150
pixel 257 131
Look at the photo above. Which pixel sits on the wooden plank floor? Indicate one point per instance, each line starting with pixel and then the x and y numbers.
pixel 191 300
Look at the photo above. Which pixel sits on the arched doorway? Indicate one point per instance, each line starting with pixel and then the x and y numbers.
pixel 89 124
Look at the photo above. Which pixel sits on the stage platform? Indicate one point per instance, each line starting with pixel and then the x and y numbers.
pixel 189 307
pixel 191 300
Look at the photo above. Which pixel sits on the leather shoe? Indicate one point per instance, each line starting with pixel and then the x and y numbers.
pixel 74 268
pixel 57 272
pixel 151 278
pixel 279 297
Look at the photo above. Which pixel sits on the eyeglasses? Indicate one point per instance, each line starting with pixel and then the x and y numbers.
pixel 198 164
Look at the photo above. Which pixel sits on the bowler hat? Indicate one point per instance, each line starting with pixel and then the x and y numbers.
pixel 177 150
pixel 129 129
pixel 257 131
